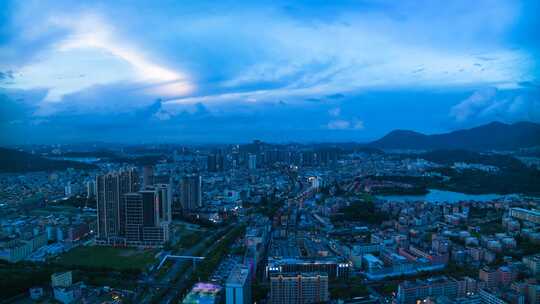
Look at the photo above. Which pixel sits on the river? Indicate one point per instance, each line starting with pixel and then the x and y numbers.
pixel 444 196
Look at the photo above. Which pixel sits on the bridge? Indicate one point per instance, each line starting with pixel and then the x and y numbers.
pixel 180 257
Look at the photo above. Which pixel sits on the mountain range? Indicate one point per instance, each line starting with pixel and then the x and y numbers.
pixel 492 136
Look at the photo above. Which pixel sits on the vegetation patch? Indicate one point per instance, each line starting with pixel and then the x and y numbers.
pixel 108 258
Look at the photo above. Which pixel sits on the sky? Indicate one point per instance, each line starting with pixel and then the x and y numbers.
pixel 280 71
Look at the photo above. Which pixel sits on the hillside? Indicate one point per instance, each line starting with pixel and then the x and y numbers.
pixel 492 136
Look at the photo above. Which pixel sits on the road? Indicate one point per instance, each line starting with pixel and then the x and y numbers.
pixel 181 282
pixel 167 280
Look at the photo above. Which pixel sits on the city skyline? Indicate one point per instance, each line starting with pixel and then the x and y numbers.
pixel 272 152
pixel 345 71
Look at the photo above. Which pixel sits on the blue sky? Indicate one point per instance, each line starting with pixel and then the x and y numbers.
pixel 196 71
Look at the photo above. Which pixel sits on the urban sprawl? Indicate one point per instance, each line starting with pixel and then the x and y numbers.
pixel 260 223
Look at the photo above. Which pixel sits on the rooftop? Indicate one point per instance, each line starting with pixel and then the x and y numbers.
pixel 202 293
pixel 238 276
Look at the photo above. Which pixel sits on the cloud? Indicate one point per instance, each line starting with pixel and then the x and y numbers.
pixel 335 96
pixel 492 104
pixel 334 112
pixel 362 46
pixel 92 32
pixel 227 67
pixel 98 99
pixel 473 104
pixel 91 53
pixel 340 124
pixel 7 75
pixel 358 125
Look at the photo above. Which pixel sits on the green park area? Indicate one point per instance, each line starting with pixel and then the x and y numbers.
pixel 94 265
pixel 108 257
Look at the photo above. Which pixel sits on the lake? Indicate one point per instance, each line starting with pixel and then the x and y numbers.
pixel 443 196
pixel 88 160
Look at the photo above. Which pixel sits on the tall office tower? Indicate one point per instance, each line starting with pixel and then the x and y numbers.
pixel 309 158
pixel 164 202
pixel 162 179
pixel 134 216
pixel 271 156
pixel 328 156
pixel 148 176
pixel 299 288
pixel 252 162
pixel 110 189
pixel 238 286
pixel 234 160
pixel 211 163
pixel 90 189
pixel 68 189
pixel 190 192
pixel 215 162
pixel 143 224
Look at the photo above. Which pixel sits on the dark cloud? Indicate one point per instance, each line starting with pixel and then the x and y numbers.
pixel 335 96
pixel 490 104
pixel 6 75
pixel 530 84
pixel 377 112
pixel 486 58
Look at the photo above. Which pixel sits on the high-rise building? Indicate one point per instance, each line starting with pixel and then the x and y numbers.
pixel 148 176
pixel 164 202
pixel 110 189
pixel 328 156
pixel 144 225
pixel 532 262
pixel 68 189
pixel 238 287
pixel 134 203
pixel 190 192
pixel 90 189
pixel 333 267
pixel 299 288
pixel 534 293
pixel 252 162
pixel 215 162
pixel 162 179
pixel 309 158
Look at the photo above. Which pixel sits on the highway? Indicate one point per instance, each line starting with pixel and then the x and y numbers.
pixel 168 279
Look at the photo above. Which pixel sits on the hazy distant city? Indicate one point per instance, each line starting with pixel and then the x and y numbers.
pixel 295 152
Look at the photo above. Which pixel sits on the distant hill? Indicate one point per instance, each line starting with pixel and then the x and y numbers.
pixel 449 157
pixel 492 136
pixel 16 161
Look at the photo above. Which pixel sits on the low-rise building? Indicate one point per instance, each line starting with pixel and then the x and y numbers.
pixel 299 288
